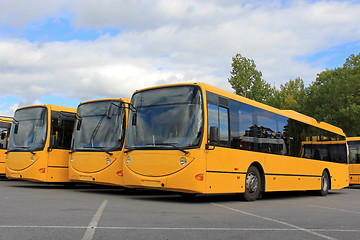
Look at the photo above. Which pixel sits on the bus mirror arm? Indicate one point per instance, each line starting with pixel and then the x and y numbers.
pixel 207 146
pixel 131 107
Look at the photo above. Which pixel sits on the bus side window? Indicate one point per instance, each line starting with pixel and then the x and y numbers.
pixel 224 125
pixel 219 117
pixel 213 116
pixel 62 125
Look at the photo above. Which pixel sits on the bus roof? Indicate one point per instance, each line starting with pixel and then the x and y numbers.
pixel 6 119
pixel 125 100
pixel 286 113
pixel 353 139
pixel 52 107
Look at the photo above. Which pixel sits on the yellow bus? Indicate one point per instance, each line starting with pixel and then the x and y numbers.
pixel 39 144
pixel 195 138
pixel 98 142
pixel 5 125
pixel 354 159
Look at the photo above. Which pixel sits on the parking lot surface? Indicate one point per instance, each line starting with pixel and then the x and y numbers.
pixel 48 211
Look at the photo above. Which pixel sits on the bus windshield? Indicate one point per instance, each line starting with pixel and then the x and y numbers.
pixel 170 117
pixel 28 131
pixel 100 126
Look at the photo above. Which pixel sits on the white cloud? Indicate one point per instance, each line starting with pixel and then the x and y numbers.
pixel 170 41
pixel 18 13
pixel 10 111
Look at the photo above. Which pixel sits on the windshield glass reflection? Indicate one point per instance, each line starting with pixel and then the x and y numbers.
pixel 167 118
pixel 28 131
pixel 100 126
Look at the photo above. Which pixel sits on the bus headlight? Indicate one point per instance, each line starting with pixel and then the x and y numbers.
pixel 108 161
pixel 183 161
pixel 71 159
pixel 128 160
pixel 32 159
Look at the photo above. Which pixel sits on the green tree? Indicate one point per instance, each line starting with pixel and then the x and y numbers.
pixel 247 81
pixel 291 95
pixel 334 97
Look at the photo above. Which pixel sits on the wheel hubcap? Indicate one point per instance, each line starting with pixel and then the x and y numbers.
pixel 324 183
pixel 252 183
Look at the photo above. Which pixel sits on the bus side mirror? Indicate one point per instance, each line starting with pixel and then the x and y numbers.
pixel 16 128
pixel 134 119
pixel 78 125
pixel 110 111
pixel 214 135
pixel 52 141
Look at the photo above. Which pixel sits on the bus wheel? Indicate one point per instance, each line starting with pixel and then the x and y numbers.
pixel 252 184
pixel 325 184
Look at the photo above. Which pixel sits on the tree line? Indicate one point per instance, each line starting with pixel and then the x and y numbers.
pixel 334 97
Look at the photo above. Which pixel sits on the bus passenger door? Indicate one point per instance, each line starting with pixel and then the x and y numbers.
pixel 221 164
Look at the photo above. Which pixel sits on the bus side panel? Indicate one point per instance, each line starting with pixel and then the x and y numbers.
pixel 339 175
pixel 354 173
pixel 56 174
pixel 226 169
pixel 284 173
pixel 2 161
pixel 288 173
pixel 59 158
pixel 58 164
pixel 225 182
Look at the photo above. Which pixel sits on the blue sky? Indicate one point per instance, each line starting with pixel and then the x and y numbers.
pixel 73 51
pixel 50 29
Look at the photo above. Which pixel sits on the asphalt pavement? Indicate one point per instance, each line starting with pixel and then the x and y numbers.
pixel 31 210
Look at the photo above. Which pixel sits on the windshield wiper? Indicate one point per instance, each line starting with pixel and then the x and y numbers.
pixel 101 148
pixel 158 144
pixel 22 148
pixel 172 145
pixel 129 150
pixel 96 130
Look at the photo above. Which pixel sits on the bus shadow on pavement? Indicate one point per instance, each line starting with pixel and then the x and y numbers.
pixel 176 197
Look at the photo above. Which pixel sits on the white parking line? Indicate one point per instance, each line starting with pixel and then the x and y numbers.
pixel 89 234
pixel 336 209
pixel 277 221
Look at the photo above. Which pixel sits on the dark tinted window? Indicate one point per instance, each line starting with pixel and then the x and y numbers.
pixel 62 126
pixel 4 134
pixel 258 130
pixel 354 152
pixel 219 117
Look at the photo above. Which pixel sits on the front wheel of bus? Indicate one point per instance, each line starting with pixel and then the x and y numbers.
pixel 252 184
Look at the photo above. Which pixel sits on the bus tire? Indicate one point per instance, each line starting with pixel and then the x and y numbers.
pixel 252 184
pixel 325 184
